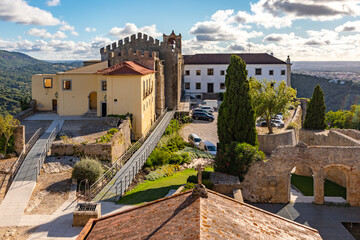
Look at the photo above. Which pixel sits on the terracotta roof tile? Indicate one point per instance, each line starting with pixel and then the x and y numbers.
pixel 126 68
pixel 183 216
pixel 224 58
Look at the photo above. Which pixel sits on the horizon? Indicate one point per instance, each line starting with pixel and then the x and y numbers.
pixel 304 29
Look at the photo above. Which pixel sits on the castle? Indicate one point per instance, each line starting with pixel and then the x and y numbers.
pixel 164 57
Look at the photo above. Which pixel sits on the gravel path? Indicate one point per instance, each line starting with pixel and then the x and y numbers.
pixel 204 129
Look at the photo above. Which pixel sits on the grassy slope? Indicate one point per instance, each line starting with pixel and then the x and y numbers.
pixel 151 190
pixel 336 96
pixel 306 186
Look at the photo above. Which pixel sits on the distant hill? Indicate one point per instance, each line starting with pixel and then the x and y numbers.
pixel 326 66
pixel 336 96
pixel 16 70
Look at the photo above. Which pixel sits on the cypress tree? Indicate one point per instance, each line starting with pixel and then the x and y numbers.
pixel 315 111
pixel 236 120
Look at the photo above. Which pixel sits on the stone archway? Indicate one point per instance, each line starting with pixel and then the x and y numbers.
pixel 93 101
pixel 301 183
pixel 339 174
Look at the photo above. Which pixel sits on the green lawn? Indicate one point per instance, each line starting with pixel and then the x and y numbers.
pixel 306 186
pixel 151 190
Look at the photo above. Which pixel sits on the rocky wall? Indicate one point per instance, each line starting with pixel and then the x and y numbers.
pixel 19 139
pixel 269 142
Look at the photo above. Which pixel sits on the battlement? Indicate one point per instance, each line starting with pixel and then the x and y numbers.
pixel 139 39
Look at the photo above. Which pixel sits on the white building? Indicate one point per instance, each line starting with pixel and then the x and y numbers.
pixel 204 74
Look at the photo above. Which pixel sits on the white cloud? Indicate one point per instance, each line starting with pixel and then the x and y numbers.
pixel 19 11
pixel 66 27
pixel 89 29
pixel 53 3
pixel 349 27
pixel 42 33
pixel 131 28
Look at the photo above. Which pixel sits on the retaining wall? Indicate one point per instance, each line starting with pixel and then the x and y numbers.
pixel 269 142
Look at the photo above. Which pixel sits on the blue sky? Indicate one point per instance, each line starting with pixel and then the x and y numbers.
pixel 310 30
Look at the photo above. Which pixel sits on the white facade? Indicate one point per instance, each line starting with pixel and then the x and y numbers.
pixel 217 80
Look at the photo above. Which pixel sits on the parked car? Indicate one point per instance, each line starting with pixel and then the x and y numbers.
pixel 194 139
pixel 264 124
pixel 203 116
pixel 208 146
pixel 207 108
pixel 279 123
pixel 202 111
pixel 211 103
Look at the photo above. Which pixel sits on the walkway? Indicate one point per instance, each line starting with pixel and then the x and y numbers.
pixel 131 167
pixel 16 199
pixel 298 197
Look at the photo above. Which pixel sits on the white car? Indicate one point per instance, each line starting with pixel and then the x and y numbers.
pixel 194 140
pixel 208 146
pixel 207 108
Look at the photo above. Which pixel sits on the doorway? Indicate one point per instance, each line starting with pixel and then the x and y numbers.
pixel 54 104
pixel 210 87
pixel 93 100
pixel 103 109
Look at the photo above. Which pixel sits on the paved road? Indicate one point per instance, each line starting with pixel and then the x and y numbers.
pixel 326 219
pixel 204 129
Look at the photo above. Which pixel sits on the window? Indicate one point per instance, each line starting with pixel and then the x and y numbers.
pixel 222 85
pixel 210 71
pixel 66 84
pixel 222 72
pixel 47 82
pixel 257 71
pixel 198 85
pixel 144 90
pixel 103 85
pixel 187 72
pixel 282 72
pixel 187 85
pixel 198 72
pixel 271 72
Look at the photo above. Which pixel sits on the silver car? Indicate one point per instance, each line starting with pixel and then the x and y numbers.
pixel 194 139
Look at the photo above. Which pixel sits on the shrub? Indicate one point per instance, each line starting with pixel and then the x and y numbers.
pixel 236 159
pixel 186 119
pixel 173 127
pixel 208 184
pixel 10 145
pixel 171 143
pixel 195 153
pixel 107 137
pixel 188 186
pixel 157 157
pixel 164 171
pixel 87 168
pixel 292 125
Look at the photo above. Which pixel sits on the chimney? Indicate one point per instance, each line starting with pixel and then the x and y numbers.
pixel 288 72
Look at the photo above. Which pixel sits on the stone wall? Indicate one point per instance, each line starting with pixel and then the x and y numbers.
pixel 19 139
pixel 111 151
pixel 28 112
pixel 350 132
pixel 336 175
pixel 269 181
pixel 332 137
pixel 269 142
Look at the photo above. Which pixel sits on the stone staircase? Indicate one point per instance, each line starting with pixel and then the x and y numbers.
pixel 92 113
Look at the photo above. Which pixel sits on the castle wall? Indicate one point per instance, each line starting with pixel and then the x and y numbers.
pixel 119 51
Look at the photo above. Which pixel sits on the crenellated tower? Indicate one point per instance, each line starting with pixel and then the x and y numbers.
pixel 164 57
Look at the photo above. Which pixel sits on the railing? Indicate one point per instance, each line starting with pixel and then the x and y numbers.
pixel 17 164
pixel 133 166
pixel 46 148
pixel 96 187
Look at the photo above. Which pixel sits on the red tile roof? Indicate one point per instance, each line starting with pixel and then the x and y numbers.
pixel 126 68
pixel 224 58
pixel 183 216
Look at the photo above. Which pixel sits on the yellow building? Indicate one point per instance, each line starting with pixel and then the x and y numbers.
pixel 97 89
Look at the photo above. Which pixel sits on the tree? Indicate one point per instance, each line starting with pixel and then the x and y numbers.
pixel 315 112
pixel 7 127
pixel 236 120
pixel 270 98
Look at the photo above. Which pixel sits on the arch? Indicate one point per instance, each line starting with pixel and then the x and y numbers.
pixel 93 100
pixel 340 174
pixel 301 183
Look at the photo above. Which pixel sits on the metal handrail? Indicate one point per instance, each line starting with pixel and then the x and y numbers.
pixel 17 164
pixel 96 187
pixel 137 163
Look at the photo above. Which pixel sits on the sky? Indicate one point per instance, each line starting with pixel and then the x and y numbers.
pixel 307 30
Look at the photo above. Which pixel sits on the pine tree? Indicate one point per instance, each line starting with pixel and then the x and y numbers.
pixel 236 120
pixel 315 111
